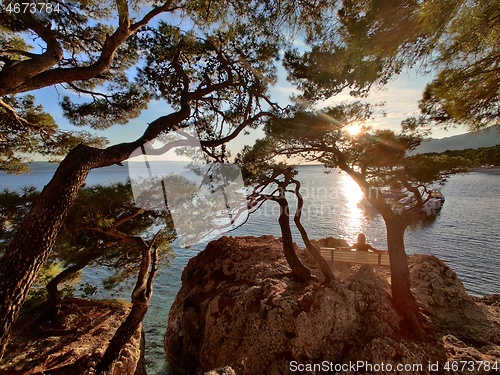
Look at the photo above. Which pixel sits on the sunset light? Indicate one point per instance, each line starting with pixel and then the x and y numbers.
pixel 354 129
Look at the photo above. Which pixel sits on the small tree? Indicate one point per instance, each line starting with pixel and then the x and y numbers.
pixel 102 228
pixel 271 182
pixel 374 42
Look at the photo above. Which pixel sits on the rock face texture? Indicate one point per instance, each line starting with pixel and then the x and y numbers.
pixel 470 325
pixel 238 307
pixel 74 344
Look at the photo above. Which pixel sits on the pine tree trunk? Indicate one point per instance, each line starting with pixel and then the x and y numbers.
pixel 323 264
pixel 140 302
pixel 122 336
pixel 53 295
pixel 403 300
pixel 299 271
pixel 31 246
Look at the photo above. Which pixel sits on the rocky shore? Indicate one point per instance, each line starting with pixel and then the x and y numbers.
pixel 74 343
pixel 238 307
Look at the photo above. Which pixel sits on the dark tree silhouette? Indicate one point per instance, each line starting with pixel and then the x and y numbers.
pixel 378 163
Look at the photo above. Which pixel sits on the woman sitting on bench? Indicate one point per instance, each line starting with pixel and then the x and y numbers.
pixel 361 245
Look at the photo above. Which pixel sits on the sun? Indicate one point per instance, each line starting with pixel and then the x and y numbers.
pixel 354 129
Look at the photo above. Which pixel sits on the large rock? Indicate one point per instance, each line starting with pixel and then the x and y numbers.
pixel 239 307
pixel 74 343
pixel 442 295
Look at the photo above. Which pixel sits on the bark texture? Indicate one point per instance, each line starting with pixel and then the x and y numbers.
pixel 403 300
pixel 299 271
pixel 141 296
pixel 323 264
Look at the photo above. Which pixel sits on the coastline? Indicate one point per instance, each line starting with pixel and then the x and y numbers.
pixel 493 170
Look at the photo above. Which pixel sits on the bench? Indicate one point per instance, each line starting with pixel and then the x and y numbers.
pixel 347 255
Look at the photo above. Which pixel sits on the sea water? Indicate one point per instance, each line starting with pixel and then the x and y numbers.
pixel 465 234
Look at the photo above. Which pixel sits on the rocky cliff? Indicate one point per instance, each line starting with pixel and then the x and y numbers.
pixel 239 307
pixel 74 343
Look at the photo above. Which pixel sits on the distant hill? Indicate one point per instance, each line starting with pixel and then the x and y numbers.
pixel 486 138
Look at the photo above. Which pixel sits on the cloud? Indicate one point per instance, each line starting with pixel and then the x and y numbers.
pixel 284 89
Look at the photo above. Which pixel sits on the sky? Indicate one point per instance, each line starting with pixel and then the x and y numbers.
pixel 400 97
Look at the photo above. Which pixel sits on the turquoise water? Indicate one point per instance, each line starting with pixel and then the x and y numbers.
pixel 465 235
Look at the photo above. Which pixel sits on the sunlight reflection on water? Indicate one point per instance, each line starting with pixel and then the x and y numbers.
pixel 355 220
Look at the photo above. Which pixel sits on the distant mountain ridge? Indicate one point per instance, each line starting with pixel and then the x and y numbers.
pixel 485 138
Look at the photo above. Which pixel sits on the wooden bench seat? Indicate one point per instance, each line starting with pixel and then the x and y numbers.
pixel 347 255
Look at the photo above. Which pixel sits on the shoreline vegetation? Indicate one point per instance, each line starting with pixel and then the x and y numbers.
pixel 485 159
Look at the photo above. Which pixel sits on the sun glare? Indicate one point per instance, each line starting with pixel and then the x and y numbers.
pixel 354 129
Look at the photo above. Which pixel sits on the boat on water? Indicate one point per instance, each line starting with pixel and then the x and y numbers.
pixel 433 203
pixel 436 194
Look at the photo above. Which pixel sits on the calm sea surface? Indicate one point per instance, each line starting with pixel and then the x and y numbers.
pixel 465 235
